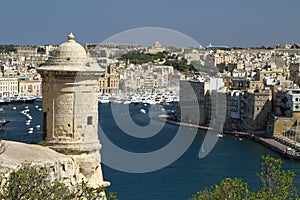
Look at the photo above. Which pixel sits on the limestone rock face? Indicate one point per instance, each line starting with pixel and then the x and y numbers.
pixel 68 169
pixel 59 166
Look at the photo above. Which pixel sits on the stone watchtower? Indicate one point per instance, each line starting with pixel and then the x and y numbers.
pixel 70 108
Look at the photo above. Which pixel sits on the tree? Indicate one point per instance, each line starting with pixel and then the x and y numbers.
pixel 277 184
pixel 31 183
pixel 228 189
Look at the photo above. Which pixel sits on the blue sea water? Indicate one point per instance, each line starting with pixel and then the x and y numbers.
pixel 17 130
pixel 230 157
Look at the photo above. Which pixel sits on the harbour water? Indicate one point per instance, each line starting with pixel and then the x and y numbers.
pixel 231 157
pixel 17 130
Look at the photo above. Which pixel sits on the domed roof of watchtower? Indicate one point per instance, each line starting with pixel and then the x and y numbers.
pixel 69 53
pixel 70 50
pixel 69 56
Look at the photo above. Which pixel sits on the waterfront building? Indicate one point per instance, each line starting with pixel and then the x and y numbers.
pixel 205 96
pixel 257 105
pixel 8 87
pixel 191 93
pixel 109 81
pixel 29 87
pixel 233 109
pixel 235 104
pixel 70 122
pixel 288 113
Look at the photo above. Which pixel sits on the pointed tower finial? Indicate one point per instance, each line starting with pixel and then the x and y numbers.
pixel 71 37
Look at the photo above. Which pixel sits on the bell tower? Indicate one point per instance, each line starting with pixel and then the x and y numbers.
pixel 70 108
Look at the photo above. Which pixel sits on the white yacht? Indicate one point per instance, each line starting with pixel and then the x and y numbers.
pixel 103 99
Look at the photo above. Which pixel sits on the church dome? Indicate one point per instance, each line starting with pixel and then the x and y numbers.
pixel 69 53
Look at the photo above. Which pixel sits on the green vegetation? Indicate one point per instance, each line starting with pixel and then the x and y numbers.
pixel 141 58
pixel 180 65
pixel 276 184
pixel 31 183
pixel 4 48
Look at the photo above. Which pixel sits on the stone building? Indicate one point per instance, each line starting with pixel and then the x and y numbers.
pixel 26 50
pixel 30 87
pixel 70 123
pixel 294 73
pixel 287 112
pixel 256 108
pixel 109 81
pixel 8 86
pixel 190 95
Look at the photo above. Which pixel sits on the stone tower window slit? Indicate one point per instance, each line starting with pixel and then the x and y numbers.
pixel 89 120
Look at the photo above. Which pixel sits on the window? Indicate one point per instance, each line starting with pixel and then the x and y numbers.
pixel 89 120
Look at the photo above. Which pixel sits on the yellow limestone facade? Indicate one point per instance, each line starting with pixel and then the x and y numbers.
pixel 70 108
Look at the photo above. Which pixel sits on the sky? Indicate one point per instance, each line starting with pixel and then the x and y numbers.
pixel 235 23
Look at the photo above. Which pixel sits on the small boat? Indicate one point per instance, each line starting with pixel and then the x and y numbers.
pixel 3 122
pixel 1 109
pixel 14 108
pixel 38 127
pixel 103 99
pixel 39 98
pixel 143 111
pixel 220 135
pixel 126 102
pixel 18 99
pixel 202 149
pixel 30 131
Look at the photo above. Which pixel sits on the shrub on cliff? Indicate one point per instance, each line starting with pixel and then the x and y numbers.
pixel 31 183
pixel 276 184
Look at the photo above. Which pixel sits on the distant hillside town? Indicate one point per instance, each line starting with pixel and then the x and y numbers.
pixel 259 86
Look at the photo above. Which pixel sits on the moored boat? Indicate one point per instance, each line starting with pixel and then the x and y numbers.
pixel 18 99
pixel 3 122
